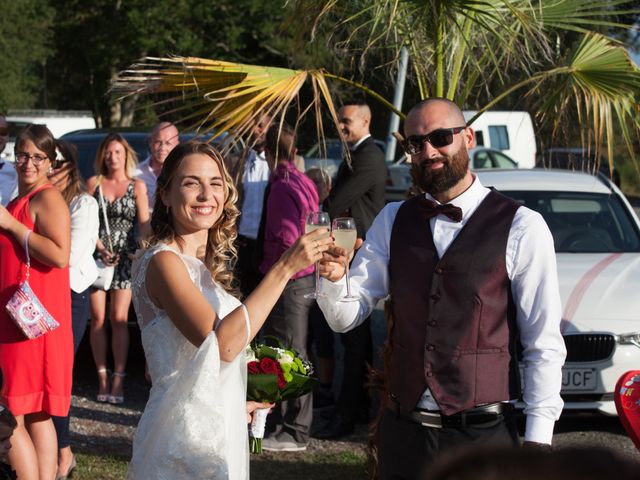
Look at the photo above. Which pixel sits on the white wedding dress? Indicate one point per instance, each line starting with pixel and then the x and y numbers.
pixel 194 425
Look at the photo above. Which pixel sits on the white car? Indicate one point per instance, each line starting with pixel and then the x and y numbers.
pixel 399 178
pixel 597 241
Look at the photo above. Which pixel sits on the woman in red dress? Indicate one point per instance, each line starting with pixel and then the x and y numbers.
pixel 36 373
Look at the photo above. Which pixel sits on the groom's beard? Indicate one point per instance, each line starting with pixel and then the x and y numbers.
pixel 437 181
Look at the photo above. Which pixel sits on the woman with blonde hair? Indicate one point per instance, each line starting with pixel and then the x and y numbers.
pixel 194 329
pixel 124 199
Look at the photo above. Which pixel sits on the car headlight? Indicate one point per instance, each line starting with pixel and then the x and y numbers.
pixel 629 339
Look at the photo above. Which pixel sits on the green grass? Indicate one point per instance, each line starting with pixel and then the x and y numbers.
pixel 309 466
pixel 99 467
pixel 283 466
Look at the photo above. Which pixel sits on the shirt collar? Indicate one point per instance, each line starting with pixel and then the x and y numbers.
pixel 469 199
pixel 359 142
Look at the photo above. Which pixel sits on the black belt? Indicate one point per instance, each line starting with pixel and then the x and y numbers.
pixel 483 415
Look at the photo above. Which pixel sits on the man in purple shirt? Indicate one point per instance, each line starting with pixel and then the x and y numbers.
pixel 291 196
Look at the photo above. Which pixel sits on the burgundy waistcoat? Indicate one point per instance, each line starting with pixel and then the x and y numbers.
pixel 454 327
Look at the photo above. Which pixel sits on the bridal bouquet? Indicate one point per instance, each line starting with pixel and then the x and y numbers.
pixel 274 374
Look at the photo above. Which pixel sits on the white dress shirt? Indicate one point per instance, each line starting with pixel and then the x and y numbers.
pixel 8 183
pixel 254 182
pixel 84 235
pixel 145 173
pixel 354 147
pixel 531 267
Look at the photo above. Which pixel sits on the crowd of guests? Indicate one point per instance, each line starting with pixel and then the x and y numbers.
pixel 71 224
pixel 225 258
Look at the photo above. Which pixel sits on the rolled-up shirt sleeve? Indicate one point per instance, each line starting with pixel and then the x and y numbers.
pixel 369 277
pixel 531 263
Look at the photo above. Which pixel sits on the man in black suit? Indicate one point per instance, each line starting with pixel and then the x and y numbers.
pixel 358 193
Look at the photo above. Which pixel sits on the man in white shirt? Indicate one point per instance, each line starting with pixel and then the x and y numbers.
pixel 471 275
pixel 251 176
pixel 8 176
pixel 163 139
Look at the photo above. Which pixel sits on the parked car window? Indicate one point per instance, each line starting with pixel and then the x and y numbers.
pixel 583 222
pixel 481 160
pixel 499 137
pixel 500 160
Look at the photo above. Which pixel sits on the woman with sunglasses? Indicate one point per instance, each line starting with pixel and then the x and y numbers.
pixel 82 268
pixel 36 372
pixel 125 201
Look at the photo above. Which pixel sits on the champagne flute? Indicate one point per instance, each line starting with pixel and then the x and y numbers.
pixel 344 235
pixel 314 221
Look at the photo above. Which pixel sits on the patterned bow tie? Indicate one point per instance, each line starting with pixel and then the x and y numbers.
pixel 430 209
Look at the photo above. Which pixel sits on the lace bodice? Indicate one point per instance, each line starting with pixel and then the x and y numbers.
pixel 194 424
pixel 159 334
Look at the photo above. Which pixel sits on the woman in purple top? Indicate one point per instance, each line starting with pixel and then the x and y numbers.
pixel 291 195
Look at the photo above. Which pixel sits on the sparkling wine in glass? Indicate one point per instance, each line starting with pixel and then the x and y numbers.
pixel 344 235
pixel 314 221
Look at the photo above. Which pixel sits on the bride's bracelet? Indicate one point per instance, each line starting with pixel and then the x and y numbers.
pixel 247 323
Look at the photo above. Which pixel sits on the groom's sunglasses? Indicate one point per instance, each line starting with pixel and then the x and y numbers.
pixel 438 139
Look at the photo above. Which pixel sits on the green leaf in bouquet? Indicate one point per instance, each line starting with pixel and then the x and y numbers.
pixel 299 385
pixel 263 387
pixel 268 352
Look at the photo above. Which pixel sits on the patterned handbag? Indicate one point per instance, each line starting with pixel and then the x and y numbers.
pixel 25 308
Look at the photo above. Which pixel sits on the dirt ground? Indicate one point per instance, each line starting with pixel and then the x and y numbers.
pixel 104 429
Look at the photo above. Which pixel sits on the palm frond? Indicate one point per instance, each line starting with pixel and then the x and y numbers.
pixel 220 96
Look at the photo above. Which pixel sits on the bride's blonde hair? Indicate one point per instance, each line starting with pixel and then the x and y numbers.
pixel 220 254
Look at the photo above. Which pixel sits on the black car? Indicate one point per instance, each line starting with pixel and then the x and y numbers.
pixel 88 141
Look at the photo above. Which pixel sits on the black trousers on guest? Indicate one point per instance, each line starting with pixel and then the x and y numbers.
pixel 406 448
pixel 289 321
pixel 247 267
pixel 353 399
pixel 79 318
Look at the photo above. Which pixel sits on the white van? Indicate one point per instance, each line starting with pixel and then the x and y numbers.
pixel 58 121
pixel 511 132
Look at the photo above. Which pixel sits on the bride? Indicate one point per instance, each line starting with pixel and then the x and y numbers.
pixel 194 331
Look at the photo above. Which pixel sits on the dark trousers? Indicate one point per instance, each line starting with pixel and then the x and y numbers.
pixel 406 448
pixel 289 321
pixel 247 267
pixel 79 318
pixel 353 400
pixel 320 333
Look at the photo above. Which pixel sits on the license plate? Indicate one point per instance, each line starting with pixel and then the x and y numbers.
pixel 578 379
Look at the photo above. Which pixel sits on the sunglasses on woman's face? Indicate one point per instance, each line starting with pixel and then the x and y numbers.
pixel 438 138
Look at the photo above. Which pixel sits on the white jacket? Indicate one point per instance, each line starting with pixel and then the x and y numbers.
pixel 84 235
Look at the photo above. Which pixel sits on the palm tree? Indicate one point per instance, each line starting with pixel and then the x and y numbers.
pixel 465 50
pixel 473 50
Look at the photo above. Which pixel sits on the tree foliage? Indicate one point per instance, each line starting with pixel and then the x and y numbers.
pixel 562 55
pixel 95 39
pixel 25 30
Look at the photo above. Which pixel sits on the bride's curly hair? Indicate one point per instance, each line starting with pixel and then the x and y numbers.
pixel 220 254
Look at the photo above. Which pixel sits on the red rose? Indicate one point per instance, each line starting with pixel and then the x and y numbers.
pixel 253 368
pixel 268 365
pixel 281 381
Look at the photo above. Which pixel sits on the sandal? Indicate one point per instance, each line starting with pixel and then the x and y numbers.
pixel 103 397
pixel 116 399
pixel 60 476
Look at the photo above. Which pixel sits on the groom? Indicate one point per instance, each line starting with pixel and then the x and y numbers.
pixel 470 274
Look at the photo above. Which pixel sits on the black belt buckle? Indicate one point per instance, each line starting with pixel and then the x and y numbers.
pixel 481 415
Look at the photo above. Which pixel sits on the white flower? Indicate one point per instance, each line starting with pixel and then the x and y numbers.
pixel 285 358
pixel 250 354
